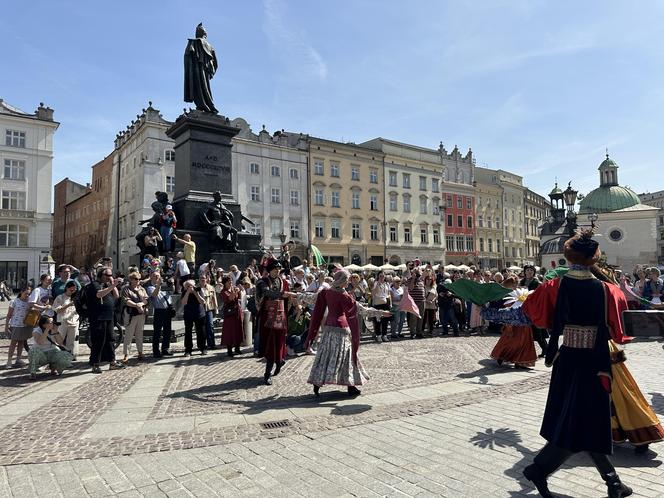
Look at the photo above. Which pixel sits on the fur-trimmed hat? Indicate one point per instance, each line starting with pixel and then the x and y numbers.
pixel 582 249
pixel 272 264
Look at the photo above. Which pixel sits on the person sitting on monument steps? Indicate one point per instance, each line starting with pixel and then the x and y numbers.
pixel 219 222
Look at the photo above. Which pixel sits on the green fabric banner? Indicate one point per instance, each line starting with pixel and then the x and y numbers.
pixel 318 257
pixel 477 293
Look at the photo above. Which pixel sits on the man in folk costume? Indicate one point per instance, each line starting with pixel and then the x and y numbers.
pixel 587 313
pixel 272 296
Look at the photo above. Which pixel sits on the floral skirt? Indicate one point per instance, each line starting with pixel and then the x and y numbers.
pixel 55 358
pixel 333 363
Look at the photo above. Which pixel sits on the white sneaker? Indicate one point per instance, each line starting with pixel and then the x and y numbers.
pixel 9 364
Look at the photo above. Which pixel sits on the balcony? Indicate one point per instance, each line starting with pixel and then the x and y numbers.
pixel 16 214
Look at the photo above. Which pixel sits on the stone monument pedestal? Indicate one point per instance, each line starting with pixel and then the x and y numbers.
pixel 203 165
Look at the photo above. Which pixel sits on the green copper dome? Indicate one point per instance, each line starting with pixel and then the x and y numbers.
pixel 555 191
pixel 608 198
pixel 608 163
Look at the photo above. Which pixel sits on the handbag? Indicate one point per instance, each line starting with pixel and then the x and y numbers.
pixel 171 311
pixel 32 318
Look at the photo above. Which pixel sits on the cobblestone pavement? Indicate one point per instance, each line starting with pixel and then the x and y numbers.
pixel 437 419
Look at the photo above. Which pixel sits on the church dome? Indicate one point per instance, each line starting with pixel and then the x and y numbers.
pixel 608 198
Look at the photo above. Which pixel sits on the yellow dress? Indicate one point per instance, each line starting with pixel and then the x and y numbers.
pixel 633 419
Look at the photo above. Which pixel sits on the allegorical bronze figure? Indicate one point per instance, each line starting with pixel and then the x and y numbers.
pixel 218 221
pixel 200 64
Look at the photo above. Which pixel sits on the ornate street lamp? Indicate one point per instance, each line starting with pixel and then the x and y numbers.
pixel 570 197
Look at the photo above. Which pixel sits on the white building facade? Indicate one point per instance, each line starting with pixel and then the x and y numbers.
pixel 270 183
pixel 144 163
pixel 26 159
pixel 656 199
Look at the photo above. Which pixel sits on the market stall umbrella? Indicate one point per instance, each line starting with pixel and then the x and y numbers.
pixel 370 267
pixel 451 267
pixel 514 268
pixel 464 267
pixel 388 267
pixel 435 267
pixel 353 267
pixel 401 267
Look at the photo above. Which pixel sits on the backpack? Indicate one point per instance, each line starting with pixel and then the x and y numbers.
pixel 81 302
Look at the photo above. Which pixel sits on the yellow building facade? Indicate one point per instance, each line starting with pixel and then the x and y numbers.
pixel 346 202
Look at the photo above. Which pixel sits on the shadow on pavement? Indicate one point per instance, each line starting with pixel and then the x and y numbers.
pixel 489 367
pixel 509 438
pixel 657 403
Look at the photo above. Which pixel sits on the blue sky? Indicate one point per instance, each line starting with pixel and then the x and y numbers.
pixel 538 88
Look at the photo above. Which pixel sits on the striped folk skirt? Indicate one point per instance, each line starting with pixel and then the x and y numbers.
pixel 333 363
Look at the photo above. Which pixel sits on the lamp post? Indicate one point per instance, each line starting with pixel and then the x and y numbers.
pixel 570 200
pixel 592 218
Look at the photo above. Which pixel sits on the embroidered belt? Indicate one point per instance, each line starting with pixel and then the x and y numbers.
pixel 579 336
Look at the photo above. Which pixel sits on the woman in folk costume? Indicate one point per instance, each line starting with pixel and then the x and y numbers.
pixel 272 298
pixel 232 332
pixel 336 359
pixel 530 282
pixel 516 341
pixel 577 417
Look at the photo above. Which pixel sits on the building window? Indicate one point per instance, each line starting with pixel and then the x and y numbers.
pixel 480 221
pixel 14 138
pixel 481 244
pixel 449 242
pixel 470 244
pixel 355 231
pixel 170 184
pixel 469 222
pixel 319 228
pixel 255 193
pixel 392 178
pixel 335 199
pixel 406 180
pixel 319 197
pixel 294 174
pixel 434 185
pixel 488 222
pixel 497 245
pixel 169 155
pixel 394 234
pixel 423 182
pixel 334 169
pixel 275 171
pixel 450 219
pixel 355 173
pixel 423 205
pixel 490 241
pixel 459 243
pixel 13 200
pixel 459 221
pixel 336 231
pixel 256 227
pixel 295 197
pixel 393 202
pixel 373 202
pixel 469 203
pixel 424 236
pixel 406 204
pixel 514 252
pixel 449 201
pixel 436 236
pixel 373 175
pixel 407 235
pixel 295 229
pixel 14 169
pixel 373 231
pixel 318 167
pixel 356 200
pixel 275 197
pixel 276 226
pixel 497 222
pixel 13 236
pixel 459 202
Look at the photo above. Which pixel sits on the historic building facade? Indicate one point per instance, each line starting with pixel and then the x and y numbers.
pixel 81 217
pixel 270 182
pixel 489 197
pixel 656 199
pixel 346 202
pixel 413 187
pixel 26 157
pixel 535 211
pixel 143 163
pixel 514 241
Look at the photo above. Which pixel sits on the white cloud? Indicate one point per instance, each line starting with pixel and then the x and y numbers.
pixel 289 44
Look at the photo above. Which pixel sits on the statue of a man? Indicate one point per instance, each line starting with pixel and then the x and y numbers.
pixel 200 64
pixel 219 222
